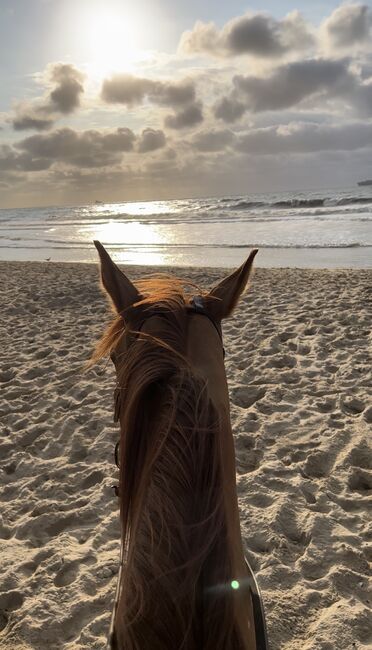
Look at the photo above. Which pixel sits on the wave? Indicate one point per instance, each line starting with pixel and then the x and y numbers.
pixel 243 205
pixel 354 199
pixel 297 203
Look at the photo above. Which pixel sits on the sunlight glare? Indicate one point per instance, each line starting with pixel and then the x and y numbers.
pixel 132 242
pixel 131 232
pixel 109 38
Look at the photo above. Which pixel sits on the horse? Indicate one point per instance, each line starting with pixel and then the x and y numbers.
pixel 184 583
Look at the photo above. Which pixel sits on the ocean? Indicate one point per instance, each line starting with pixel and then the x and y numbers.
pixel 314 229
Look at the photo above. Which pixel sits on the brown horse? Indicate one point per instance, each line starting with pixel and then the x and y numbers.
pixel 184 583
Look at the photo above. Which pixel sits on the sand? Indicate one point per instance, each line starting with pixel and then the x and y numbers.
pixel 299 369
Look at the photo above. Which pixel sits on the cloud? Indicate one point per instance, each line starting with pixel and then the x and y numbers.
pixel 305 138
pixel 63 98
pixel 170 94
pixel 189 116
pixel 287 86
pixel 80 149
pixel 297 104
pixel 32 118
pixel 362 99
pixel 151 140
pixel 13 161
pixel 125 89
pixel 257 34
pixel 213 140
pixel 348 26
pixel 229 109
pixel 131 91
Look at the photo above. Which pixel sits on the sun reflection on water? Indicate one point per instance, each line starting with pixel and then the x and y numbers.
pixel 131 242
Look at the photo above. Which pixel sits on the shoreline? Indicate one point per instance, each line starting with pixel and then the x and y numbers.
pixel 358 258
pixel 299 375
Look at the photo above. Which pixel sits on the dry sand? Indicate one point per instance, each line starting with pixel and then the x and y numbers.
pixel 299 369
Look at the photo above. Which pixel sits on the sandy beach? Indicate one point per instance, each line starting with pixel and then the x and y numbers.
pixel 298 360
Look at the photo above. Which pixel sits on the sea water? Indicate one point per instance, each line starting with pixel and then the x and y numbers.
pixel 318 229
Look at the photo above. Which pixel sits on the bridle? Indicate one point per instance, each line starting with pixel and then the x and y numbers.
pixel 196 306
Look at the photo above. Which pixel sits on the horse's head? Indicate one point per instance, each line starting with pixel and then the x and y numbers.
pixel 159 310
pixel 177 486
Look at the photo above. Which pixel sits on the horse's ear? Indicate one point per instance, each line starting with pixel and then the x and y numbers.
pixel 121 291
pixel 224 297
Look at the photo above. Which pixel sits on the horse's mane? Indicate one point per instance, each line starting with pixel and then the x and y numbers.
pixel 164 291
pixel 171 484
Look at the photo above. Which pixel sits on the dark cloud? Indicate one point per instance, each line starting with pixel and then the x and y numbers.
pixel 80 149
pixel 170 94
pixel 258 35
pixel 362 99
pixel 32 119
pixel 213 140
pixel 151 140
pixel 190 116
pixel 305 138
pixel 286 87
pixel 125 89
pixel 14 161
pixel 292 83
pixel 255 34
pixel 229 109
pixel 122 139
pixel 64 98
pixel 349 25
pixel 131 91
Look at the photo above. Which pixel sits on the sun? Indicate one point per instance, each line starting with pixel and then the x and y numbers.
pixel 110 38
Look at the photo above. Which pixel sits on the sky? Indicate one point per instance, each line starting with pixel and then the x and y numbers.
pixel 111 100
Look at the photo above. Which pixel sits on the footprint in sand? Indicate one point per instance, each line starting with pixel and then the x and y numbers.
pixel 283 361
pixel 285 336
pixel 352 405
pixel 11 600
pixel 67 574
pixel 325 405
pixel 7 375
pixel 93 478
pixel 360 480
pixel 260 500
pixel 3 620
pixel 318 464
pixel 310 498
pixel 368 414
pixel 260 543
pixel 248 461
pixel 10 469
pixel 290 377
pixel 310 331
pixel 361 456
pixel 246 396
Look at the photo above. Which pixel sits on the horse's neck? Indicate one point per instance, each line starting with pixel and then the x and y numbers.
pixel 230 491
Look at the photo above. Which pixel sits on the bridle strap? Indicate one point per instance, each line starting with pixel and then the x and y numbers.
pixel 197 307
